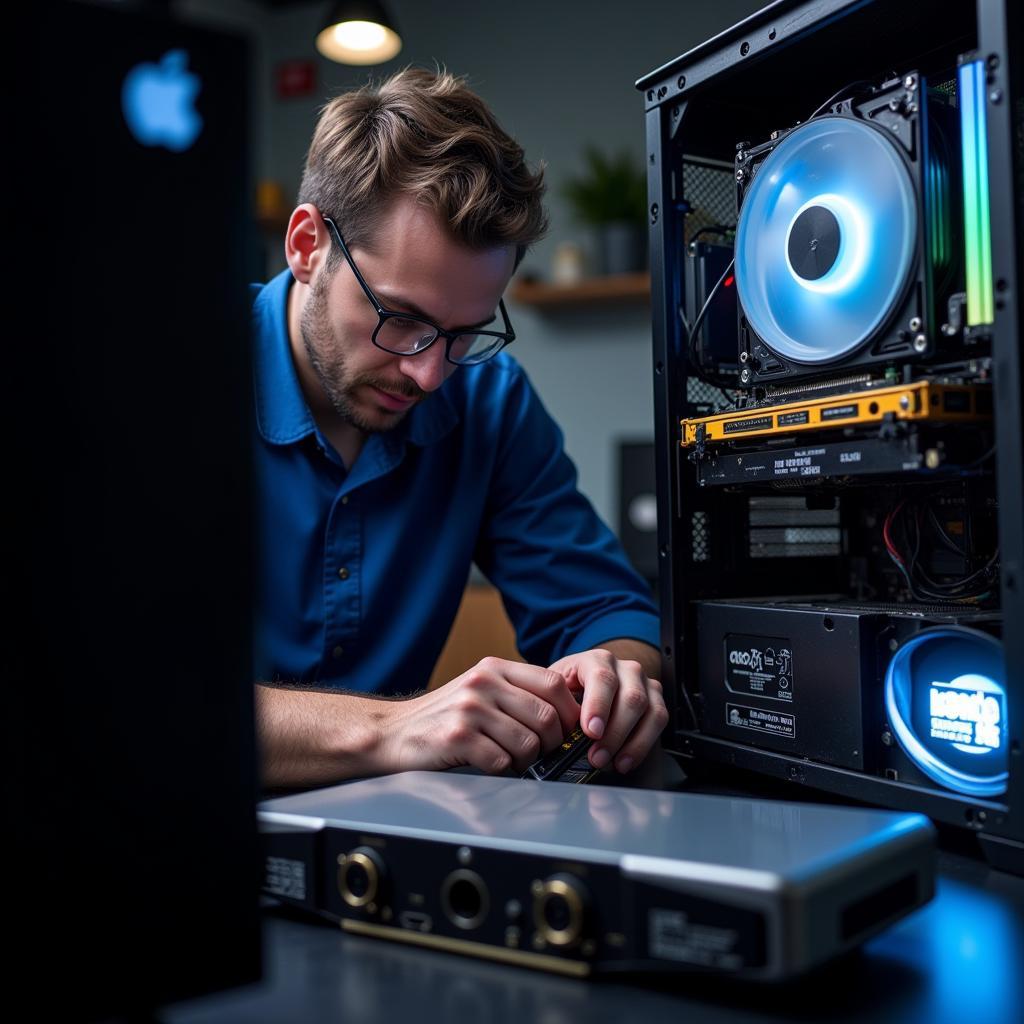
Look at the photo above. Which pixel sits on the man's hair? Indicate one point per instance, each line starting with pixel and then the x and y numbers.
pixel 425 135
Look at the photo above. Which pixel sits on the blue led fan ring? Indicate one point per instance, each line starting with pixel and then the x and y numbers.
pixel 898 685
pixel 827 241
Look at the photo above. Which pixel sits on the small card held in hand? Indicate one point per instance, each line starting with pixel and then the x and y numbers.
pixel 566 763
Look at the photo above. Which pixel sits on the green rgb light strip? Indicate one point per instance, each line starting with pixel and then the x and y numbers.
pixel 939 229
pixel 977 214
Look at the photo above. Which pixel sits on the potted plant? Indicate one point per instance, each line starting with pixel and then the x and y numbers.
pixel 611 197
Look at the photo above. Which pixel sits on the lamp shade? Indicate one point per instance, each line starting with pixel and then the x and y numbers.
pixel 358 32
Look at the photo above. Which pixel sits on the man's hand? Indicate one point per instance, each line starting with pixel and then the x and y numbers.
pixel 623 707
pixel 498 715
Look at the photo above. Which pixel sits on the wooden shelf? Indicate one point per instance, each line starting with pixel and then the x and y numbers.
pixel 616 288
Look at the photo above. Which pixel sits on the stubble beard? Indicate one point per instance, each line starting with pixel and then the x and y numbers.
pixel 327 358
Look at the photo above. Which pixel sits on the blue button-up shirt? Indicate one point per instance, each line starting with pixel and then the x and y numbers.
pixel 361 571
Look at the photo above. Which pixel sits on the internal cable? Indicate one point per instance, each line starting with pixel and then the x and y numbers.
pixel 970 589
pixel 693 333
pixel 842 94
pixel 713 229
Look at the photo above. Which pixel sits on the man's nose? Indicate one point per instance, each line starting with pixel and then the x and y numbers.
pixel 428 369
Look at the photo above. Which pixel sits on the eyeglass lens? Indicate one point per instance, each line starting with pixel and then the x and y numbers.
pixel 406 337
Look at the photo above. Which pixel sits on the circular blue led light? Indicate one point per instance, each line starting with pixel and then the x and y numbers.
pixel 946 703
pixel 852 171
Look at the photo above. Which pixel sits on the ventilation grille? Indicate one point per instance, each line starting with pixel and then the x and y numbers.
pixel 782 527
pixel 699 537
pixel 710 192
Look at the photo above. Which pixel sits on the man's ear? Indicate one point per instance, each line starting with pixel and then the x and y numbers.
pixel 306 242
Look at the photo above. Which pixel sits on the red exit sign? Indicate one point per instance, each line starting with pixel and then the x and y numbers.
pixel 295 78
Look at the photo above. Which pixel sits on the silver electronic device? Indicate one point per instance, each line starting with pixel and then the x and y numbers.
pixel 582 879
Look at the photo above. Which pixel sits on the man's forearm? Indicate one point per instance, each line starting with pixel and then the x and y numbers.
pixel 310 738
pixel 637 650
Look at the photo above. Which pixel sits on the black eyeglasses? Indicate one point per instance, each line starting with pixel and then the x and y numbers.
pixel 403 334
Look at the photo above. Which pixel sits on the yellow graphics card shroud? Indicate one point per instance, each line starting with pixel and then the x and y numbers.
pixel 920 400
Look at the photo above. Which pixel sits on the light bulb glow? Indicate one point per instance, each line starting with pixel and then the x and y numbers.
pixel 359 42
pixel 360 35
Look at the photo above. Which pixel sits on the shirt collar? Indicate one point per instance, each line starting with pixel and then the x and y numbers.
pixel 282 414
pixel 281 411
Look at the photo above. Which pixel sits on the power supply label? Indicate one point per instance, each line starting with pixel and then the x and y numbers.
pixel 759 665
pixel 775 723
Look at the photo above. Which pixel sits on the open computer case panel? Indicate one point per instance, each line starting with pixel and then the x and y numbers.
pixel 835 207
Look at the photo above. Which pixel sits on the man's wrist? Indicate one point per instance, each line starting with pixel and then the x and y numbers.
pixel 370 743
pixel 361 734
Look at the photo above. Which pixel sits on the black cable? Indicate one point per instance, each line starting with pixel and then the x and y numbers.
pixel 707 302
pixel 713 229
pixel 961 583
pixel 917 538
pixel 693 333
pixel 706 376
pixel 981 459
pixel 840 95
pixel 920 584
pixel 949 542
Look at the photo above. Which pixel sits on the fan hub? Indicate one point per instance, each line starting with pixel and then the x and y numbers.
pixel 814 243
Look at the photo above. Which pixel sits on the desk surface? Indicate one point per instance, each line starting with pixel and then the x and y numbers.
pixel 960 959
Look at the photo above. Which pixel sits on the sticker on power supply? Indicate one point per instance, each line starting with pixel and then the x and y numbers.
pixel 673 936
pixel 284 876
pixel 774 723
pixel 759 665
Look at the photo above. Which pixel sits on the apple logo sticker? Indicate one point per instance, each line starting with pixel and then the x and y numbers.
pixel 158 102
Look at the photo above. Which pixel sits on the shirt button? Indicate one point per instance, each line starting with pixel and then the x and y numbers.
pixel 338 651
pixel 343 573
pixel 344 500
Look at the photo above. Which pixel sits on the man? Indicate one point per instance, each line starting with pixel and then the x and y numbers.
pixel 398 444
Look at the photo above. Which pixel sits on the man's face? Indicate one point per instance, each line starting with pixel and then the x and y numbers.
pixel 413 266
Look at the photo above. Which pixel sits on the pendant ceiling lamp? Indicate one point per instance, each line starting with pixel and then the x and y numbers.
pixel 359 32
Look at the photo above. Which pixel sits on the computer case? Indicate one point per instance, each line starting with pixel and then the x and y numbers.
pixel 875 487
pixel 131 784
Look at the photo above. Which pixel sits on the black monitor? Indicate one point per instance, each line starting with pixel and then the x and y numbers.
pixel 127 401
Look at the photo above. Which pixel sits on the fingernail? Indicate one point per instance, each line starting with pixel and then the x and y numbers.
pixel 625 763
pixel 596 727
pixel 600 758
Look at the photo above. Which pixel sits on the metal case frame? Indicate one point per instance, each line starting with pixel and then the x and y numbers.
pixel 701 104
